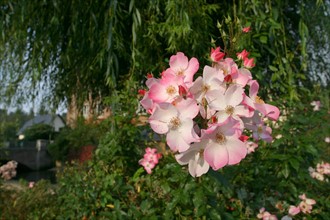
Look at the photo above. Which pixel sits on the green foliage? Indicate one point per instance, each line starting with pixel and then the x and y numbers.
pixel 70 140
pixel 123 140
pixel 113 186
pixel 39 131
pixel 10 123
pixel 72 45
pixel 20 202
pixel 76 47
pixel 119 41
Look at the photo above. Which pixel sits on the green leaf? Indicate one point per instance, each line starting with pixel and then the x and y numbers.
pixel 219 177
pixel 273 68
pixel 294 163
pixel 281 157
pixel 137 174
pixel 286 171
pixel 263 39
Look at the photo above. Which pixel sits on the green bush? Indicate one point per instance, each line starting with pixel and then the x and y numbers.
pixel 39 131
pixel 69 141
pixel 114 186
pixel 273 177
pixel 22 202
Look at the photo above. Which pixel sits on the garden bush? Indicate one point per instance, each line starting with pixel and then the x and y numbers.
pixel 273 177
pixel 39 131
pixel 68 143
pixel 24 202
pixel 114 186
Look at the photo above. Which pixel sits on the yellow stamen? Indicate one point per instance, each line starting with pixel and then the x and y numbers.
pixel 220 138
pixel 175 123
pixel 180 73
pixel 205 88
pixel 171 90
pixel 259 100
pixel 229 110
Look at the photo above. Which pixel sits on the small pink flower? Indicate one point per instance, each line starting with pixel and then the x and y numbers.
pixel 212 80
pixel 194 157
pixel 224 146
pixel 258 128
pixel 8 170
pixel 251 146
pixel 242 55
pixel 264 215
pixel 147 165
pixel 228 104
pixel 176 122
pixel 31 184
pixel 294 210
pixel 316 104
pixel 306 204
pixel 254 102
pixel 323 168
pixel 216 54
pixel 246 29
pixel 150 159
pixel 182 67
pixel 249 63
pixel 316 175
pixel 166 89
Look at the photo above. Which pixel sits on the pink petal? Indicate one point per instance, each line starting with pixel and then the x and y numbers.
pixel 187 131
pixel 188 107
pixel 268 110
pixel 179 62
pixel 254 88
pixel 191 70
pixel 230 127
pixel 196 88
pixel 236 151
pixel 216 155
pixel 176 142
pixel 198 166
pixel 248 102
pixel 216 100
pixel 158 93
pixel 242 111
pixel 161 116
pixel 151 81
pixel 293 210
pixel 158 126
pixel 210 73
pixel 243 77
pixel 222 116
pixel 234 95
pixel 184 157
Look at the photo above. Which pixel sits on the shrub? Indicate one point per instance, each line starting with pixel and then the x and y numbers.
pixel 39 131
pixel 23 202
pixel 69 141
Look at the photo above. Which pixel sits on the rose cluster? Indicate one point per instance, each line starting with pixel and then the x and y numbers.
pixel 209 120
pixel 305 206
pixel 265 215
pixel 8 170
pixel 322 169
pixel 150 159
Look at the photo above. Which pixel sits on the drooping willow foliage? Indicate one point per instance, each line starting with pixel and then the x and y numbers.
pixel 65 48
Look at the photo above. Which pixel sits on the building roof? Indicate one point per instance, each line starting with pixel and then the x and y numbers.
pixel 39 119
